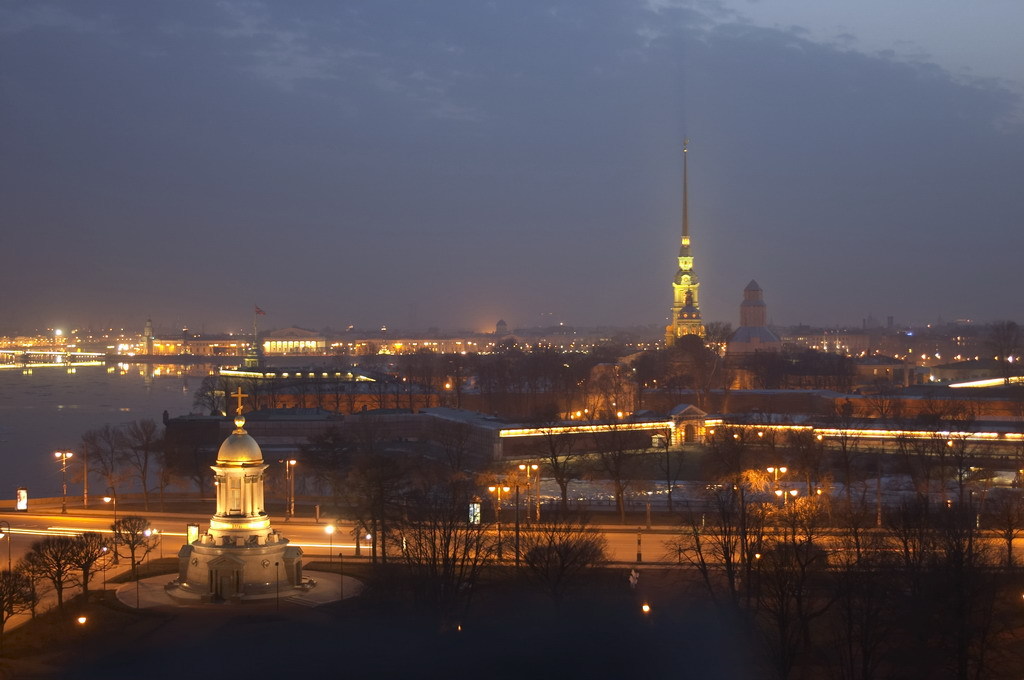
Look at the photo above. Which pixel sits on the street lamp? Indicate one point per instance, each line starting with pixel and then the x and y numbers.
pixel 111 497
pixel 330 529
pixel 63 457
pixel 7 534
pixel 155 535
pixel 330 547
pixel 498 489
pixel 528 468
pixel 785 495
pixel 291 487
pixel 775 471
pixel 289 480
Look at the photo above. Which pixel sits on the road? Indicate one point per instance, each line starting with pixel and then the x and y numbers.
pixel 303 532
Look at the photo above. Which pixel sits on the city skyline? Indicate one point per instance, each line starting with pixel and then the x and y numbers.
pixel 451 166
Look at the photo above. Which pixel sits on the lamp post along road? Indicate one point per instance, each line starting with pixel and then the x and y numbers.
pixel 528 468
pixel 63 457
pixel 517 518
pixel 291 487
pixel 330 546
pixel 498 489
pixel 289 483
pixel 85 481
pixel 775 471
pixel 111 497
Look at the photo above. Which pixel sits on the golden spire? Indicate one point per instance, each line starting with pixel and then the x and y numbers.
pixel 686 202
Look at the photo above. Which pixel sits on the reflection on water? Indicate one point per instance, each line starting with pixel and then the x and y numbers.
pixel 47 408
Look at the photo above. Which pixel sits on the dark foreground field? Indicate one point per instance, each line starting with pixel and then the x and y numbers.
pixel 511 632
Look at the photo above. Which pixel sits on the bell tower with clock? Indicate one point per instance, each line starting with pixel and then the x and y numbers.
pixel 686 318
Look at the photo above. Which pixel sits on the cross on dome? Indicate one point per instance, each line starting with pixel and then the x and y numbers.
pixel 239 396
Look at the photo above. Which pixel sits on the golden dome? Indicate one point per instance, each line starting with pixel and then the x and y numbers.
pixel 239 447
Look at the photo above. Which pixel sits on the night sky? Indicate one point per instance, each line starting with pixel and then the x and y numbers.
pixel 451 163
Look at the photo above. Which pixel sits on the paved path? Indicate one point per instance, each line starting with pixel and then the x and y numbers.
pixel 150 592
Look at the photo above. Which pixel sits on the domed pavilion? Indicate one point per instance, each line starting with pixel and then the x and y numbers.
pixel 240 557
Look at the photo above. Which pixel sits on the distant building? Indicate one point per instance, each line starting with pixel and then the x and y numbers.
pixel 438 431
pixel 686 318
pixel 294 341
pixel 501 329
pixel 753 334
pixel 883 371
pixel 959 371
pixel 189 343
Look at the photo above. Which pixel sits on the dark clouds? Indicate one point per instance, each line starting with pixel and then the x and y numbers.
pixel 351 162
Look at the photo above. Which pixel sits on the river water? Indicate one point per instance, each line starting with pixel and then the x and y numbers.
pixel 47 408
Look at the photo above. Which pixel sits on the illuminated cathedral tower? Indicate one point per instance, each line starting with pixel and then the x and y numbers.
pixel 685 303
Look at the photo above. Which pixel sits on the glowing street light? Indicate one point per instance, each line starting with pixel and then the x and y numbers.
pixel 785 495
pixel 529 468
pixel 330 547
pixel 498 489
pixel 289 479
pixel 111 497
pixel 155 534
pixel 63 457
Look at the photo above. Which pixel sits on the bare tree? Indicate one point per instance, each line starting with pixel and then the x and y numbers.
pixel 808 453
pixel 136 535
pixel 210 396
pixel 555 448
pixel 723 539
pixel 90 548
pixel 374 484
pixel 443 552
pixel 185 455
pixel 1006 518
pixel 786 572
pixel 865 595
pixel 845 445
pixel 17 596
pixel 142 444
pixel 453 438
pixel 910 532
pixel 1004 341
pixel 966 592
pixel 671 463
pixel 617 461
pixel 558 554
pixel 328 454
pixel 104 448
pixel 53 559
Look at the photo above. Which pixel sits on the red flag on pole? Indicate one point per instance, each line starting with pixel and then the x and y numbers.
pixel 259 312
